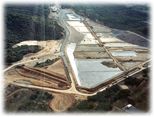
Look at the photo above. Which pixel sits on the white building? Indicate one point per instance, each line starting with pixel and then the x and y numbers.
pixel 54 8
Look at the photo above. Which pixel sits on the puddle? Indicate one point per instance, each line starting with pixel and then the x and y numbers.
pixel 119 45
pixel 123 53
pixel 73 17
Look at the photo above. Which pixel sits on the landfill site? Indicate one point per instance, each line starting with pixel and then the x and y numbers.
pixel 91 58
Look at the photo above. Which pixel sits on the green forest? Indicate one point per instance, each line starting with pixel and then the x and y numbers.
pixel 27 23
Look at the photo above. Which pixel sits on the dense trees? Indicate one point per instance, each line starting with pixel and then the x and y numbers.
pixel 28 101
pixel 27 23
pixel 16 54
pixel 100 102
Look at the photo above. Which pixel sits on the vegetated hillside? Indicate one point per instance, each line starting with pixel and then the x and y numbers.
pixel 16 54
pixel 28 23
pixel 133 17
pixel 26 100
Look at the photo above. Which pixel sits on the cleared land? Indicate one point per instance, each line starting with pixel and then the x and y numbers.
pixel 92 59
pixel 61 102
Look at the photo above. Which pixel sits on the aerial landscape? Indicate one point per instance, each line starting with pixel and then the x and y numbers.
pixel 77 58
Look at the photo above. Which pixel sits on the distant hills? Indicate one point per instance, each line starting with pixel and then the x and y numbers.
pixel 126 17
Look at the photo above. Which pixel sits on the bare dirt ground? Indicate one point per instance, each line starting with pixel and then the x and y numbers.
pixel 48 47
pixel 61 102
pixel 57 67
pixel 13 76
